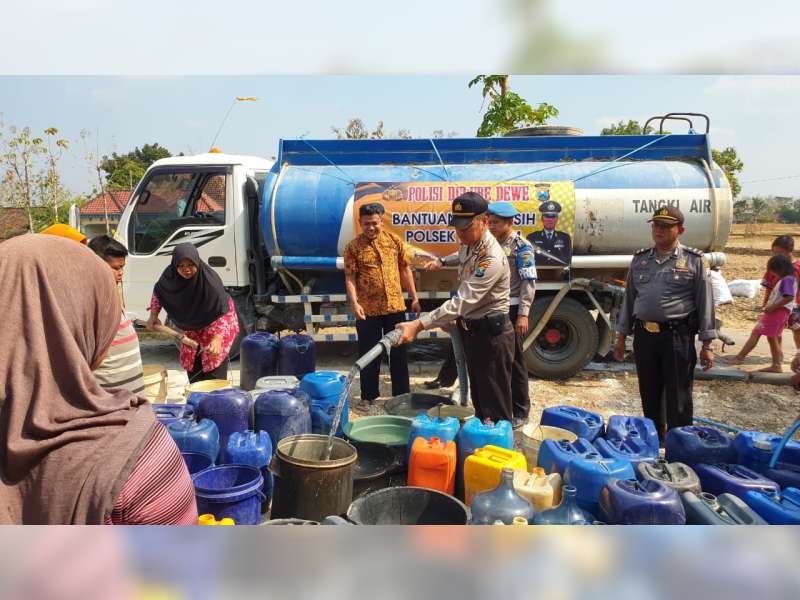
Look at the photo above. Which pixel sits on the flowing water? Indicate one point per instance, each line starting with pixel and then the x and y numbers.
pixel 386 342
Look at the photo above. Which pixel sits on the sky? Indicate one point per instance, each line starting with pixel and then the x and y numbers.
pixel 753 113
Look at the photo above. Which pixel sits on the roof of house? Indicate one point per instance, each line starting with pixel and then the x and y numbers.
pixel 114 201
pixel 13 221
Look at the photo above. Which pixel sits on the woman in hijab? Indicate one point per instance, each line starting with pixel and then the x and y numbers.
pixel 196 301
pixel 70 451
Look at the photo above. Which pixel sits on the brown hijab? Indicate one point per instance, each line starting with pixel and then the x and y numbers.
pixel 66 445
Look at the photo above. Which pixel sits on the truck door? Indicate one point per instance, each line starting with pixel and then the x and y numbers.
pixel 175 205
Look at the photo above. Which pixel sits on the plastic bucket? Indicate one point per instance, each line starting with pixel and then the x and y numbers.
pixel 196 461
pixel 155 383
pixel 407 506
pixel 232 491
pixel 208 385
pixel 532 436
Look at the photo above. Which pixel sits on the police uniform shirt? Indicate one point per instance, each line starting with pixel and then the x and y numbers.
pixel 522 271
pixel 666 289
pixel 557 243
pixel 483 288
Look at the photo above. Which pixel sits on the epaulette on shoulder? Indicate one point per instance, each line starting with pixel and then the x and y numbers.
pixel 694 251
pixel 642 251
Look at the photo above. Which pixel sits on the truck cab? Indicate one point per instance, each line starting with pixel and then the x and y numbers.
pixel 199 199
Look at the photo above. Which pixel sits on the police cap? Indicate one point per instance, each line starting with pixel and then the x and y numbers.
pixel 550 208
pixel 466 207
pixel 668 214
pixel 505 210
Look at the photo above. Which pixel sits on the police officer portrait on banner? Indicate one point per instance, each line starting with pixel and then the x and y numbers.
pixel 556 243
pixel 668 301
pixel 479 308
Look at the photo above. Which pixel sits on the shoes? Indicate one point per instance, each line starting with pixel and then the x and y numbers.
pixel 518 422
pixel 434 384
pixel 726 339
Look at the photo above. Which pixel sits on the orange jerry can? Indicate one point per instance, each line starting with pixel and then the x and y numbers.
pixel 433 465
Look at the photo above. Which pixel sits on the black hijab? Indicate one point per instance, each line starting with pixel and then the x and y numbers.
pixel 191 303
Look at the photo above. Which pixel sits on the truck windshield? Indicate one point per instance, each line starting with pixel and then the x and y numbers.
pixel 171 200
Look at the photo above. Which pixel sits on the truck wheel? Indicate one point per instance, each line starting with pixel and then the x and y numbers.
pixel 566 344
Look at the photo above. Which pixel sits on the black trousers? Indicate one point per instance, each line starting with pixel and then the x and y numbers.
pixel 489 361
pixel 370 331
pixel 665 364
pixel 520 397
pixel 448 372
pixel 197 373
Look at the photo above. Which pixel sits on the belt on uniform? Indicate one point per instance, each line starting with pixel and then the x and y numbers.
pixel 659 326
pixel 493 323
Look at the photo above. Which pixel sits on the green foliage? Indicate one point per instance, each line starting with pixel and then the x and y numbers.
pixel 507 110
pixel 632 127
pixel 123 171
pixel 731 164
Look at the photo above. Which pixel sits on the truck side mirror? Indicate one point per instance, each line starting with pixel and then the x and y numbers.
pixel 251 189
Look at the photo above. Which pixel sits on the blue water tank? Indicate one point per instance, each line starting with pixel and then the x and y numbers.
pixel 431 427
pixel 649 502
pixel 259 358
pixel 632 449
pixel 474 435
pixel 725 478
pixel 296 355
pixel 622 427
pixel 555 455
pixel 191 436
pixel 583 423
pixel 590 473
pixel 254 449
pixel 229 409
pixel 324 389
pixel 694 444
pixel 307 196
pixel 282 413
pixel 776 509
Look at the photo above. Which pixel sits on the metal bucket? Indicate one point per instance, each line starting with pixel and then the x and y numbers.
pixel 307 487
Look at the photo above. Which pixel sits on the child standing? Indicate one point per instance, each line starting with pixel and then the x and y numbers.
pixel 784 244
pixel 779 305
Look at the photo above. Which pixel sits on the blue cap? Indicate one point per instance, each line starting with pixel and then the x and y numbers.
pixel 505 210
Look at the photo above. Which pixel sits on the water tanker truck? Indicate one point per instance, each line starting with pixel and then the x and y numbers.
pixel 275 230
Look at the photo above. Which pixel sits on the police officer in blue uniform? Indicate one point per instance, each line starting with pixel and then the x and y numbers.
pixel 556 243
pixel 522 270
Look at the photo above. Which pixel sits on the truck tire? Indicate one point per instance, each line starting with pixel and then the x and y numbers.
pixel 566 344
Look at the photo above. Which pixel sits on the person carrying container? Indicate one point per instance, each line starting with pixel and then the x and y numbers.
pixel 196 300
pixel 377 266
pixel 479 308
pixel 668 300
pixel 522 270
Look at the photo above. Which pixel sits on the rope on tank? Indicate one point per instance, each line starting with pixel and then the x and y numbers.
pixel 441 162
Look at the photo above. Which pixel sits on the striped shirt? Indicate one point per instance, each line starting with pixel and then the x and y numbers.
pixel 122 366
pixel 159 490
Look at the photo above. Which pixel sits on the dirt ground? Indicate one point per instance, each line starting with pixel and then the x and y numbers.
pixel 746 405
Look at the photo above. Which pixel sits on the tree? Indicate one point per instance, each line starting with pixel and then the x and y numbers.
pixel 356 129
pixel 124 170
pixel 632 127
pixel 730 163
pixel 507 110
pixel 30 178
